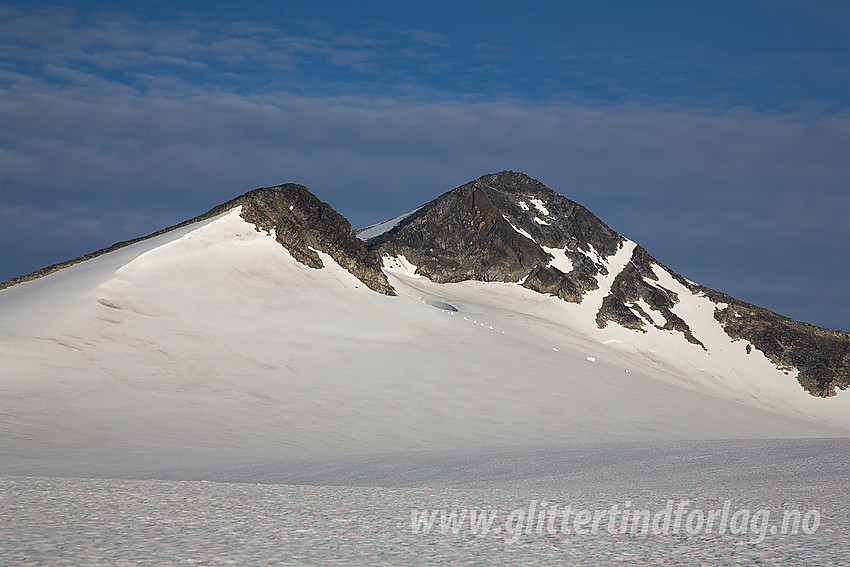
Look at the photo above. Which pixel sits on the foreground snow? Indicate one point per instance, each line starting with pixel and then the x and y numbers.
pixel 358 510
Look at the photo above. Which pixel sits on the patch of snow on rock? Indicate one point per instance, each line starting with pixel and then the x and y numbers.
pixel 400 264
pixel 540 206
pixel 560 259
pixel 519 230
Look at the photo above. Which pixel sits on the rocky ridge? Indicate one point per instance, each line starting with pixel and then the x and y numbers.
pixel 508 227
pixel 299 221
pixel 303 224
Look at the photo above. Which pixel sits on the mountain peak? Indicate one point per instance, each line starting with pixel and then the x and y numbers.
pixel 510 182
pixel 501 227
pixel 508 227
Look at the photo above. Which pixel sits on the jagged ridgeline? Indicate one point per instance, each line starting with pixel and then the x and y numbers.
pixel 508 227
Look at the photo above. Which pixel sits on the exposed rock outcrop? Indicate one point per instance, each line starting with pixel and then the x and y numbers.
pixel 303 224
pixel 822 356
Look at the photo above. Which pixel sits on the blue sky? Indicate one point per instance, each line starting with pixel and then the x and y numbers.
pixel 716 134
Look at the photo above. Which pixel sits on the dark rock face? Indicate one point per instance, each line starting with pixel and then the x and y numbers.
pixel 499 227
pixel 475 232
pixel 303 224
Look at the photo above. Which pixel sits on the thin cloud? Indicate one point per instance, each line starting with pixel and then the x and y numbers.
pixel 429 38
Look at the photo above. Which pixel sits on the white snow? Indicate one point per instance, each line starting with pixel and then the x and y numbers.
pixel 523 205
pixel 540 206
pixel 212 342
pixel 538 220
pixel 655 318
pixel 592 300
pixel 560 260
pixel 382 227
pixel 519 230
pixel 400 264
pixel 733 372
pixel 357 510
pixel 593 254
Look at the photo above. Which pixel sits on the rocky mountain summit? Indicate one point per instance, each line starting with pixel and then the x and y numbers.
pixel 508 227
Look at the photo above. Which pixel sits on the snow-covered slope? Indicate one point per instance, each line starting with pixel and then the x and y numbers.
pixel 382 227
pixel 508 227
pixel 211 341
pixel 723 367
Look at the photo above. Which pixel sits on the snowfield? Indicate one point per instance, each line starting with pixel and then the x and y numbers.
pixel 212 339
pixel 358 510
pixel 208 353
